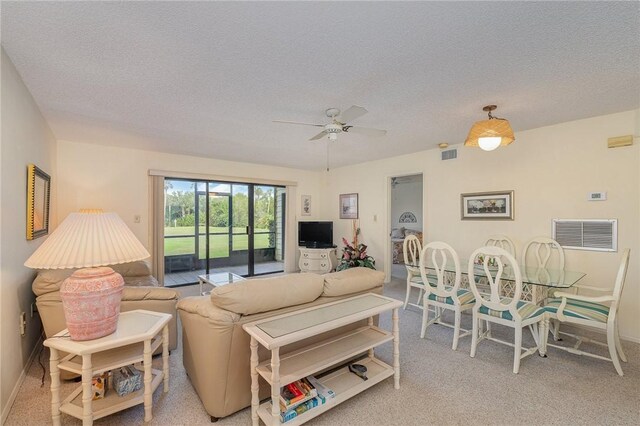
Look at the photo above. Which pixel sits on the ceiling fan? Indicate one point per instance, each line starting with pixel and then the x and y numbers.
pixel 339 124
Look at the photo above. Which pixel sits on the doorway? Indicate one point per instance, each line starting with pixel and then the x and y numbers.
pixel 212 226
pixel 406 217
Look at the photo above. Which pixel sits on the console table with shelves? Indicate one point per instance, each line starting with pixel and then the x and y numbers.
pixel 277 332
pixel 318 260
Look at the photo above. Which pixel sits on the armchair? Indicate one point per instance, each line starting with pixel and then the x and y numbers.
pixel 598 312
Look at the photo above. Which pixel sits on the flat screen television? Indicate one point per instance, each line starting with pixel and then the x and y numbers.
pixel 315 234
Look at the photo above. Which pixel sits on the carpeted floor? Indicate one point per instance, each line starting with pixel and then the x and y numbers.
pixel 438 386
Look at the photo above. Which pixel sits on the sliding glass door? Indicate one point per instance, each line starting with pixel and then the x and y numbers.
pixel 222 227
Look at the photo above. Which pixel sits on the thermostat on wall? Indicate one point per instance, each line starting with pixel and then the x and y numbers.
pixel 597 196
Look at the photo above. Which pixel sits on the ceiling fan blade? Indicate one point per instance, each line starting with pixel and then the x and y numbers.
pixel 365 131
pixel 319 136
pixel 351 114
pixel 296 122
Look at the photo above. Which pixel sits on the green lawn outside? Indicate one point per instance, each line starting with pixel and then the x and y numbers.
pixel 218 244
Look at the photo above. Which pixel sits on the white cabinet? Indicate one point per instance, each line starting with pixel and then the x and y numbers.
pixel 318 260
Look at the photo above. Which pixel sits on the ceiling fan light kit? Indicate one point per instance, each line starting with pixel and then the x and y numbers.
pixel 490 134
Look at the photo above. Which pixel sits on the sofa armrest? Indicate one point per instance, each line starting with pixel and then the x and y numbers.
pixel 202 306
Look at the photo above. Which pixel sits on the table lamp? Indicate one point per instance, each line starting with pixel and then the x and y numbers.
pixel 91 296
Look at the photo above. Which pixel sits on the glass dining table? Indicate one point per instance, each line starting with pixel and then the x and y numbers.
pixel 536 281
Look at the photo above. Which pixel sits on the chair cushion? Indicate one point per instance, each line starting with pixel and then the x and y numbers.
pixel 433 280
pixel 579 309
pixel 525 309
pixel 464 296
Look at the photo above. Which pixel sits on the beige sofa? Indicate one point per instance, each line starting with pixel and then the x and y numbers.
pixel 216 348
pixel 141 291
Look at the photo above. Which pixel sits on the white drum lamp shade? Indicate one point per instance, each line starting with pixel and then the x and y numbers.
pixel 91 296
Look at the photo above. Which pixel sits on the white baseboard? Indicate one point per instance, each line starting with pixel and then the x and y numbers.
pixel 630 339
pixel 23 375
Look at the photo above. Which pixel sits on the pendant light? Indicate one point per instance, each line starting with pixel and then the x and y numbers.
pixel 490 134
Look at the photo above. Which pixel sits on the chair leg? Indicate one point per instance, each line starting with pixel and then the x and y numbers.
pixel 406 299
pixel 543 336
pixel 419 297
pixel 556 330
pixel 425 318
pixel 488 328
pixel 517 350
pixel 611 343
pixel 456 330
pixel 623 357
pixel 474 335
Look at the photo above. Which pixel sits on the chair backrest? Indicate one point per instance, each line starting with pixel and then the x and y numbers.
pixel 493 275
pixel 436 255
pixel 539 251
pixel 411 248
pixel 503 242
pixel 620 278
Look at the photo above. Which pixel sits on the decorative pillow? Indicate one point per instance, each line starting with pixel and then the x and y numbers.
pixel 408 232
pixel 397 233
pixel 268 294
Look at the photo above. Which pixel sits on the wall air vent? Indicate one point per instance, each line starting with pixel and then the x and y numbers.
pixel 586 234
pixel 449 154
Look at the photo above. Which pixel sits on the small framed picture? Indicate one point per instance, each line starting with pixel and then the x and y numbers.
pixel 496 205
pixel 306 205
pixel 348 206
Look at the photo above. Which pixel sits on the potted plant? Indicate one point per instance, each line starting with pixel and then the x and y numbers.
pixel 354 254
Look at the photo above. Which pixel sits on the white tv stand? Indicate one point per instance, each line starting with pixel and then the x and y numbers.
pixel 318 260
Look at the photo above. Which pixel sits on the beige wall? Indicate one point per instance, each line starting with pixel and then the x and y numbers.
pixel 26 138
pixel 116 179
pixel 551 170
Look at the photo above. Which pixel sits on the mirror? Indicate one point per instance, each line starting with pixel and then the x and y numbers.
pixel 38 194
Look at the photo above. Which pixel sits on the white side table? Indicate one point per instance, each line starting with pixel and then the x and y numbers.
pixel 138 335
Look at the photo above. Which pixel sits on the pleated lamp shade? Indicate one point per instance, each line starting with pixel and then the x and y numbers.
pixel 489 129
pixel 88 239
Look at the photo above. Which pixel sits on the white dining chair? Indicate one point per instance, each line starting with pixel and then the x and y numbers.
pixel 434 257
pixel 539 254
pixel 411 249
pixel 596 312
pixel 503 242
pixel 494 308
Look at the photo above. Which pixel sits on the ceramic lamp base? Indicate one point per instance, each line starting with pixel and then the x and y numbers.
pixel 91 302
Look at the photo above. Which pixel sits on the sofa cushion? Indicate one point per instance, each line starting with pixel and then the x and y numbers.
pixel 267 294
pixel 352 280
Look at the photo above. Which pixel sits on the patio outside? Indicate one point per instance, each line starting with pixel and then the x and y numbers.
pixel 186 233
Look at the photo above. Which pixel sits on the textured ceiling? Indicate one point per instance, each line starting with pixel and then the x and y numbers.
pixel 207 79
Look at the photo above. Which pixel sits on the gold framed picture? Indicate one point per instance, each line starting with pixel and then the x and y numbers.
pixel 38 197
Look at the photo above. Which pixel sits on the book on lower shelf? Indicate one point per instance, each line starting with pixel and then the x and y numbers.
pixel 302 395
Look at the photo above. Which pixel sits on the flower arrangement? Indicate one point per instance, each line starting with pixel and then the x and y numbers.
pixel 354 254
